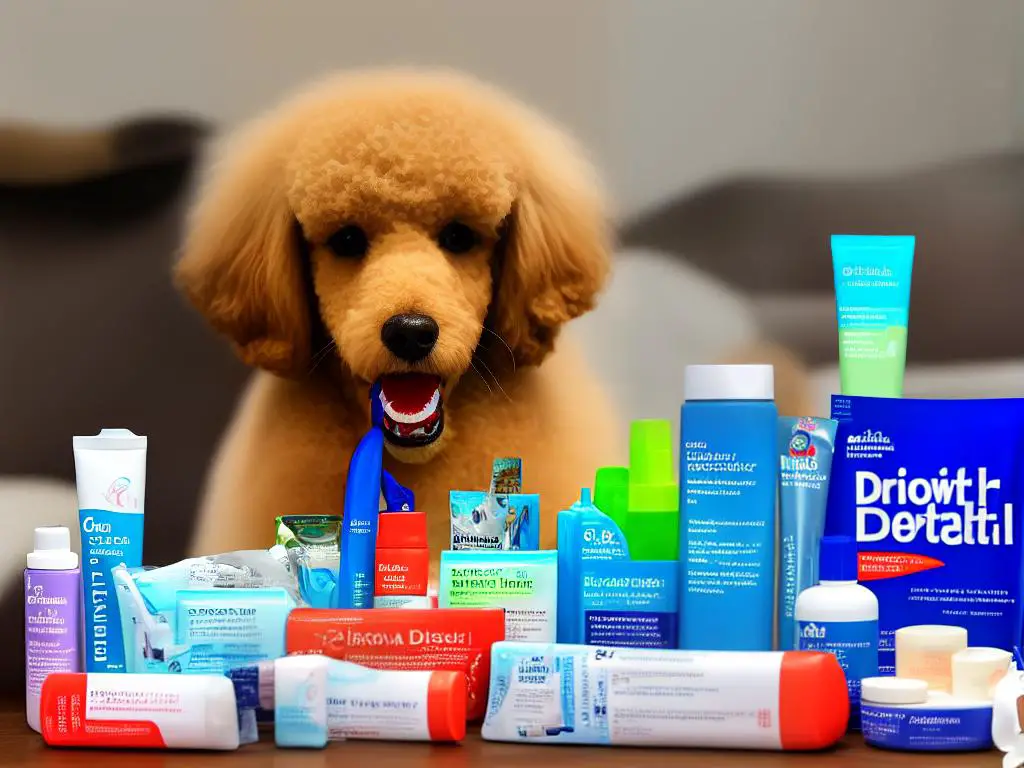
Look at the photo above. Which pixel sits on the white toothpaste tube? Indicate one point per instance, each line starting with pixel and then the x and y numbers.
pixel 110 471
pixel 578 694
pixel 107 710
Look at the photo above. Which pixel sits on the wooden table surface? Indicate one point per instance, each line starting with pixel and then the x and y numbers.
pixel 20 746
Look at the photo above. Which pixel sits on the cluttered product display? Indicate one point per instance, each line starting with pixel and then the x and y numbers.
pixel 770 583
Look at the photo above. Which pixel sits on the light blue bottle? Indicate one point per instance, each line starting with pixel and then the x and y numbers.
pixel 604 596
pixel 727 486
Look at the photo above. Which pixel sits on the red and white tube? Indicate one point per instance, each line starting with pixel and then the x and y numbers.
pixel 116 710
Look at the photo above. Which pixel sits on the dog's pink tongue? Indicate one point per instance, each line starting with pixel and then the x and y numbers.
pixel 409 393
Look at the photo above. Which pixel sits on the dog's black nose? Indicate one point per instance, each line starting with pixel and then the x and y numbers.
pixel 410 337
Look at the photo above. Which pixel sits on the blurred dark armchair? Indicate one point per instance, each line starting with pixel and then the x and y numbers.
pixel 93 332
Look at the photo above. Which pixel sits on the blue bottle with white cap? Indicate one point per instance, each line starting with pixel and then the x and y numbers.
pixel 728 473
pixel 840 616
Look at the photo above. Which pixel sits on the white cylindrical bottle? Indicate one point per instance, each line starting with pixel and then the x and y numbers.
pixel 53 596
pixel 840 616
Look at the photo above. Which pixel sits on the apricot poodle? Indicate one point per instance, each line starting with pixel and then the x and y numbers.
pixel 420 230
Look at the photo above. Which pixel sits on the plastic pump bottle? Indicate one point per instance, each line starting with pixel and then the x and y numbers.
pixel 53 593
pixel 840 616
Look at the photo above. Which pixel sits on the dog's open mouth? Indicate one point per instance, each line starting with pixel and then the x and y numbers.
pixel 413 408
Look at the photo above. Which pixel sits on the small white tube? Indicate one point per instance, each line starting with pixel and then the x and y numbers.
pixel 139 711
pixel 317 699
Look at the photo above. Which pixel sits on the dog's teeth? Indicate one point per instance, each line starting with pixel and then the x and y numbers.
pixel 414 418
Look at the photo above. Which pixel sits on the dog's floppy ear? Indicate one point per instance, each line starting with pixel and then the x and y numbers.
pixel 240 265
pixel 555 250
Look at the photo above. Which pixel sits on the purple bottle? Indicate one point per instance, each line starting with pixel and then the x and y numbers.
pixel 53 591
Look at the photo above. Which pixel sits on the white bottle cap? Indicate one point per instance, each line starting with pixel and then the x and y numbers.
pixel 52 550
pixel 729 382
pixel 893 690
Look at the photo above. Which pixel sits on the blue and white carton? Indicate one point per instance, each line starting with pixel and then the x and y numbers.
pixel 932 490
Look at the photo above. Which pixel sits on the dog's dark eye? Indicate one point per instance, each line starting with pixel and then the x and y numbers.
pixel 350 242
pixel 456 237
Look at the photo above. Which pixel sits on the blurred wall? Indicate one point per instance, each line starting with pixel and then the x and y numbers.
pixel 667 93
pixel 712 87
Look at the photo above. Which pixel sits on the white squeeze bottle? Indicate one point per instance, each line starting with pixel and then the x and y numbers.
pixel 53 597
pixel 840 616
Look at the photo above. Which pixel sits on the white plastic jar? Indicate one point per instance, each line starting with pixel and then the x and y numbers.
pixel 902 714
pixel 925 652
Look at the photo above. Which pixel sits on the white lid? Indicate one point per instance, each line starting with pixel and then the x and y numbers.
pixel 110 439
pixel 893 690
pixel 981 654
pixel 52 550
pixel 729 382
pixel 932 635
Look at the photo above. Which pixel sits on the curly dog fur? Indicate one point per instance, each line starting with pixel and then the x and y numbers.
pixel 400 154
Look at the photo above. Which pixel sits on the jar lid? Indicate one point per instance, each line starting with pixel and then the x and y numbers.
pixel 894 690
pixel 729 382
pixel 937 636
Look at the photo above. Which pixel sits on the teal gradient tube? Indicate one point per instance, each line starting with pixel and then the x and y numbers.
pixel 872 281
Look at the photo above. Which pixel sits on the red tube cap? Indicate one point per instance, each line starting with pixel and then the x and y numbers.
pixel 814 703
pixel 446 706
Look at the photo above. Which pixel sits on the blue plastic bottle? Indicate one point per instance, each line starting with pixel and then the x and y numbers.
pixel 727 487
pixel 604 596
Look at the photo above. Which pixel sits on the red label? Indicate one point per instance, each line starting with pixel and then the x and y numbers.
pixel 890 565
pixel 405 638
pixel 64 721
pixel 402 572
